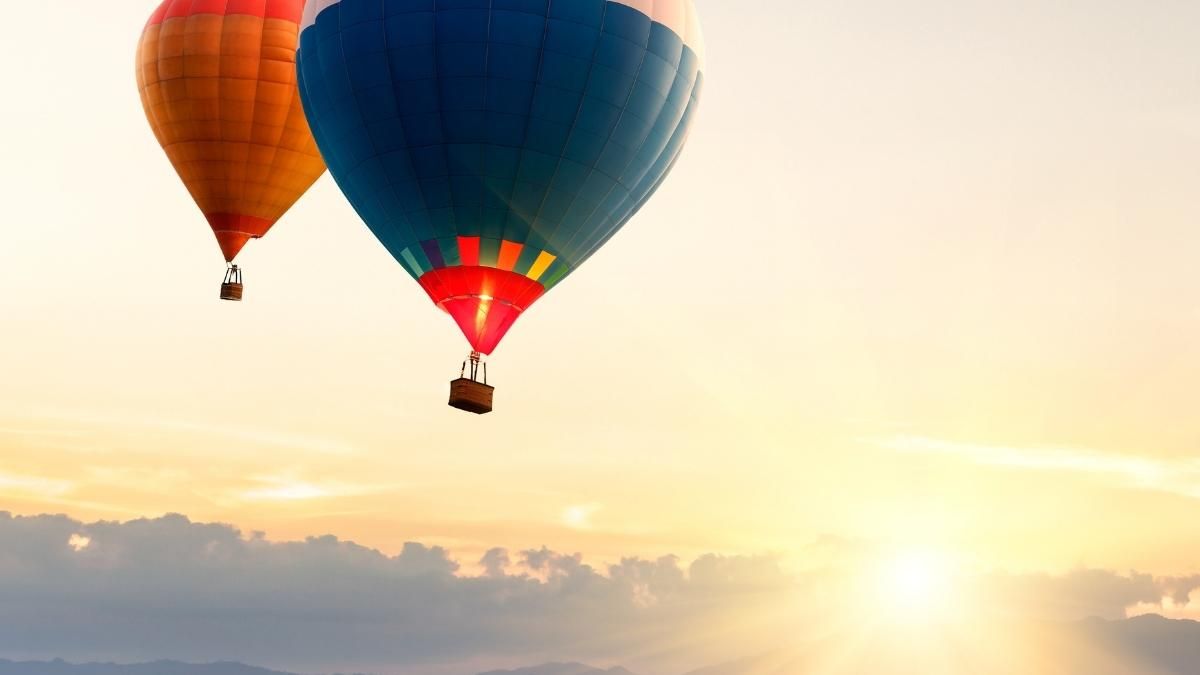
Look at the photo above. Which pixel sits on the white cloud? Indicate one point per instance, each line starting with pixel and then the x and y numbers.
pixel 33 485
pixel 292 488
pixel 1180 477
pixel 82 424
pixel 288 492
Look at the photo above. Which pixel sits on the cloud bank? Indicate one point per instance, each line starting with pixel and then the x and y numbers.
pixel 171 588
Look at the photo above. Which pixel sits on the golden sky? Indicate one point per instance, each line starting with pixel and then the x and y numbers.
pixel 925 277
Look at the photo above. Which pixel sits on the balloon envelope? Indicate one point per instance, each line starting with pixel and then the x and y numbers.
pixel 494 145
pixel 218 82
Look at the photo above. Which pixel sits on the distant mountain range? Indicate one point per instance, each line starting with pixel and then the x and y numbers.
pixel 561 669
pixel 60 667
pixel 1146 645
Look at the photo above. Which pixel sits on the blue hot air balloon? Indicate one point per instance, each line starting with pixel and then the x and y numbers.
pixel 492 146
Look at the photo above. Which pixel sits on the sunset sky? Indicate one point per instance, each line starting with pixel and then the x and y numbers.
pixel 958 317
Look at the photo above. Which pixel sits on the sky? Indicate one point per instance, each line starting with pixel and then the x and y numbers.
pixel 923 280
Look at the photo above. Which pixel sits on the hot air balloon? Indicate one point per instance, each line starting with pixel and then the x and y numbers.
pixel 218 82
pixel 492 146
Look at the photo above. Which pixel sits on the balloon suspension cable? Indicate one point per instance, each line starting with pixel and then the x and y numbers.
pixel 475 363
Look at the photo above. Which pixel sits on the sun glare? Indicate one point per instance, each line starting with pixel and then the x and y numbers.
pixel 287 492
pixel 579 517
pixel 915 585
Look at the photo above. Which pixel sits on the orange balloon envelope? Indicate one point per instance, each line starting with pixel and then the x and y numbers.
pixel 218 81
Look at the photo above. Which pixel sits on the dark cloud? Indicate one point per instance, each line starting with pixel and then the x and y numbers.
pixel 1078 594
pixel 495 562
pixel 168 587
pixel 1179 589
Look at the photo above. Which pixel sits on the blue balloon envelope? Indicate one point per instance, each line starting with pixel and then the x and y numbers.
pixel 492 146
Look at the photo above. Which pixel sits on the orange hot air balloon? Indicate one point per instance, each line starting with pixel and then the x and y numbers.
pixel 218 82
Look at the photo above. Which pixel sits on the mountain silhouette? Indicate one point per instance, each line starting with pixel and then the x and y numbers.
pixel 60 667
pixel 1145 645
pixel 561 669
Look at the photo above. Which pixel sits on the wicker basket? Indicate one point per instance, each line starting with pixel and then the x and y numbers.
pixel 232 292
pixel 471 396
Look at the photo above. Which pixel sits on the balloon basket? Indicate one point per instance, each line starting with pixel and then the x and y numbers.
pixel 468 393
pixel 231 288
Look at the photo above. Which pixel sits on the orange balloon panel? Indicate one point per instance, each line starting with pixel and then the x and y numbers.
pixel 218 81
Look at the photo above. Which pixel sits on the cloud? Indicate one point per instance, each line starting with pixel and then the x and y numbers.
pixel 1077 594
pixel 287 488
pixel 78 542
pixel 287 492
pixel 172 588
pixel 495 562
pixel 169 587
pixel 1181 477
pixel 33 485
pixel 89 422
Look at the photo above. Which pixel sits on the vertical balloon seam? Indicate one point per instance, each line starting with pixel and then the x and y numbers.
pixel 681 126
pixel 541 64
pixel 632 204
pixel 672 147
pixel 259 105
pixel 574 124
pixel 668 153
pixel 403 130
pixel 411 256
pixel 612 132
pixel 608 140
pixel 679 140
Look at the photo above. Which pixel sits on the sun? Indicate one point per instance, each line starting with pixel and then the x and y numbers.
pixel 915 585
pixel 914 577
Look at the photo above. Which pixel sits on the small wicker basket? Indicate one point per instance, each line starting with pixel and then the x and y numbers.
pixel 471 396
